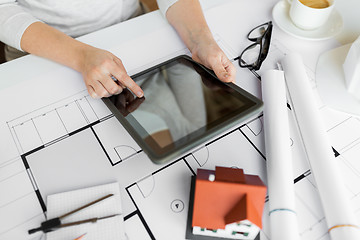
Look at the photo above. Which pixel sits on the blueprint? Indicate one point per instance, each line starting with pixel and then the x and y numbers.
pixel 64 140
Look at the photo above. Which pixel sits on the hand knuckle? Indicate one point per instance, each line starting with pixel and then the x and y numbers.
pixel 122 75
pixel 106 63
pixel 95 72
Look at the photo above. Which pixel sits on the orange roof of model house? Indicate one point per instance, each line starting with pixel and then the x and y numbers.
pixel 232 197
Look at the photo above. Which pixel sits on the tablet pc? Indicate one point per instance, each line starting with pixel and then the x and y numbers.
pixel 184 105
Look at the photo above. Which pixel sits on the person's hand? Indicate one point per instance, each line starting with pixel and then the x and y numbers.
pixel 98 67
pixel 105 75
pixel 187 18
pixel 208 53
pixel 126 103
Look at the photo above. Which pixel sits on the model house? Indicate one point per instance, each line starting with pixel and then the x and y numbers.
pixel 227 204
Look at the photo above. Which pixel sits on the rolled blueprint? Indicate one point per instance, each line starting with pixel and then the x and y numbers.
pixel 340 218
pixel 283 219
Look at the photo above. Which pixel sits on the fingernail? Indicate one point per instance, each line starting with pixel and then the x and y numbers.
pixel 140 94
pixel 119 91
pixel 226 75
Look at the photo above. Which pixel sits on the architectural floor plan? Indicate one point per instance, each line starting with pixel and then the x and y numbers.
pixel 76 142
pixel 64 140
pixel 92 148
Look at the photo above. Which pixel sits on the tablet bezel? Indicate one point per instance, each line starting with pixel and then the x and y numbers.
pixel 129 121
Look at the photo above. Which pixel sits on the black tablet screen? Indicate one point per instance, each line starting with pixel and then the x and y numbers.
pixel 182 100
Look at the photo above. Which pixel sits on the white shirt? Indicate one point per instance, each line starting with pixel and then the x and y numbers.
pixel 73 17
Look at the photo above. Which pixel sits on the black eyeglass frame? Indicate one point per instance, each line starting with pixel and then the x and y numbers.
pixel 263 41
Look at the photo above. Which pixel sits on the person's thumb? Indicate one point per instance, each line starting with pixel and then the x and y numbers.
pixel 224 72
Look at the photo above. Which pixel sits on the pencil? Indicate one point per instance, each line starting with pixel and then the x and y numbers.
pixel 80 237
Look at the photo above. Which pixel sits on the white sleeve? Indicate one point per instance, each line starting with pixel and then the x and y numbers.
pixel 13 23
pixel 164 5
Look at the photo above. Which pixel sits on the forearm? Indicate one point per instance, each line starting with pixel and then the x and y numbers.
pixel 187 18
pixel 97 66
pixel 45 41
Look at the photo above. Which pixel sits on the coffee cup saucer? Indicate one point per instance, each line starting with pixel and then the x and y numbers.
pixel 332 27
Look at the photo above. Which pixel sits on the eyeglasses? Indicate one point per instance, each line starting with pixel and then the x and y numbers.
pixel 253 56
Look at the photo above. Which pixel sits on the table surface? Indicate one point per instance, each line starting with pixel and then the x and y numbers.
pixel 39 158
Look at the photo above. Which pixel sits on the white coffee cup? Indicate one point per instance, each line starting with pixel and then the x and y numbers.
pixel 309 18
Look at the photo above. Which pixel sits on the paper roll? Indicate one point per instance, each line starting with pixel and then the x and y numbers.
pixel 340 218
pixel 283 219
